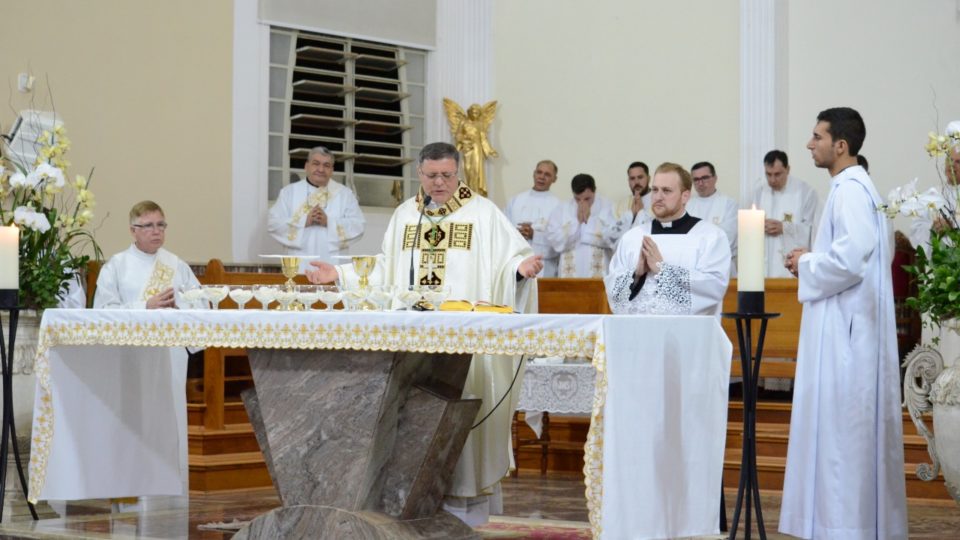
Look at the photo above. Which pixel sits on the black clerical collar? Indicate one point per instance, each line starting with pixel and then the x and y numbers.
pixel 681 225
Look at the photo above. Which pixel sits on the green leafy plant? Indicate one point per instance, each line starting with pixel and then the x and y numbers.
pixel 52 214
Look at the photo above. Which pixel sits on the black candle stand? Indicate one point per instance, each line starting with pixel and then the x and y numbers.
pixel 748 490
pixel 9 428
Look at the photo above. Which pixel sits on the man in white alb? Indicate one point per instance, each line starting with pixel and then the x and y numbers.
pixel 576 230
pixel 675 265
pixel 315 216
pixel 468 244
pixel 710 205
pixel 845 475
pixel 146 276
pixel 634 209
pixel 530 210
pixel 791 208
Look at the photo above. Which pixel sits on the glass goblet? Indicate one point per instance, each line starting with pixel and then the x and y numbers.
pixel 215 294
pixel 241 294
pixel 308 295
pixel 330 295
pixel 191 297
pixel 353 299
pixel 265 294
pixel 286 297
pixel 435 295
pixel 408 297
pixel 382 296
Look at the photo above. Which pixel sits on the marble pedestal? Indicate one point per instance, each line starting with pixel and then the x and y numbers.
pixel 360 444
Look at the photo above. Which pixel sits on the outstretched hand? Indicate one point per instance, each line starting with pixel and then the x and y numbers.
pixel 321 273
pixel 531 266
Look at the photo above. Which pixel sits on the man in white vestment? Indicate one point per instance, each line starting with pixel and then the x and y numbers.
pixel 466 243
pixel 577 228
pixel 145 276
pixel 316 217
pixel 676 264
pixel 530 210
pixel 844 476
pixel 791 208
pixel 634 209
pixel 710 205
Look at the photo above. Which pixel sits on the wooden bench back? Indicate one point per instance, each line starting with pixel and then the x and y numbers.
pixel 572 295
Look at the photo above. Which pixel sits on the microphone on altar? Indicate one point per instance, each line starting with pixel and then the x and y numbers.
pixel 426 201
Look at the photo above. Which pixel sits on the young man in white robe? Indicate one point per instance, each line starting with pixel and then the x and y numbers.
pixel 316 217
pixel 710 205
pixel 465 242
pixel 146 276
pixel 576 230
pixel 844 476
pixel 530 210
pixel 675 265
pixel 634 209
pixel 791 208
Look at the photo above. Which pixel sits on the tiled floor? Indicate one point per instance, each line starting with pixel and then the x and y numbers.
pixel 555 497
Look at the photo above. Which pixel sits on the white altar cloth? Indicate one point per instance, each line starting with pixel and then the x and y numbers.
pixel 663 409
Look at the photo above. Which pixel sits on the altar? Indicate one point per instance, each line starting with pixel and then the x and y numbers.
pixel 653 457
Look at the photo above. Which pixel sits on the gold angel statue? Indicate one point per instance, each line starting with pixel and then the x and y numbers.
pixel 469 132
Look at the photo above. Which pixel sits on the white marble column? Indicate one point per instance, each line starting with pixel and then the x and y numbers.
pixel 763 86
pixel 461 66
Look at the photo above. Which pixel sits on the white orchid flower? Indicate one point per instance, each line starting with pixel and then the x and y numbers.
pixel 913 208
pixel 31 219
pixel 932 201
pixel 20 180
pixel 45 171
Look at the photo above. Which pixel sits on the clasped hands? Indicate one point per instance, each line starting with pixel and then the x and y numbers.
pixel 650 258
pixel 792 261
pixel 772 227
pixel 583 211
pixel 317 217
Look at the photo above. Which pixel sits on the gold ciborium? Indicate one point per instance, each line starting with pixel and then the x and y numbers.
pixel 290 266
pixel 363 265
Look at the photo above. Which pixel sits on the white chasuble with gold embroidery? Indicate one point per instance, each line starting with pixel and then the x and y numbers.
pixel 131 277
pixel 469 245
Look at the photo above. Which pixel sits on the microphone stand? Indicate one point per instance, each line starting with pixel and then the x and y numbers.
pixel 416 237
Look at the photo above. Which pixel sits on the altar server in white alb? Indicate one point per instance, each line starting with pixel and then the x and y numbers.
pixel 315 216
pixel 577 231
pixel 634 209
pixel 710 205
pixel 145 276
pixel 465 242
pixel 791 208
pixel 844 476
pixel 675 265
pixel 530 210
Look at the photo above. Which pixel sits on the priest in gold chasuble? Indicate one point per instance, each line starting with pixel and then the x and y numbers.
pixel 466 243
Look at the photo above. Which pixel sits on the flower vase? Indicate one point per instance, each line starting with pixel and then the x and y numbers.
pixel 932 383
pixel 24 383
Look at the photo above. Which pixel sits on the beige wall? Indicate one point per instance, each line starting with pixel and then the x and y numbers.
pixel 145 91
pixel 597 85
pixel 898 63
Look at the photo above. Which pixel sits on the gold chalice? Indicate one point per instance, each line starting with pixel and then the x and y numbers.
pixel 290 267
pixel 363 265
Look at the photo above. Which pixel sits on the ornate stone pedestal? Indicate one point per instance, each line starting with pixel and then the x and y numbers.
pixel 932 383
pixel 360 444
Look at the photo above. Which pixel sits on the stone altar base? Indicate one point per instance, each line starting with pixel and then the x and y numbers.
pixel 360 444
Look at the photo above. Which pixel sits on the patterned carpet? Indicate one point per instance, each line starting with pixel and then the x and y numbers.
pixel 534 529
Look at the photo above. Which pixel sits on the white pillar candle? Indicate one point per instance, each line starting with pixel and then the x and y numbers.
pixel 750 257
pixel 9 257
